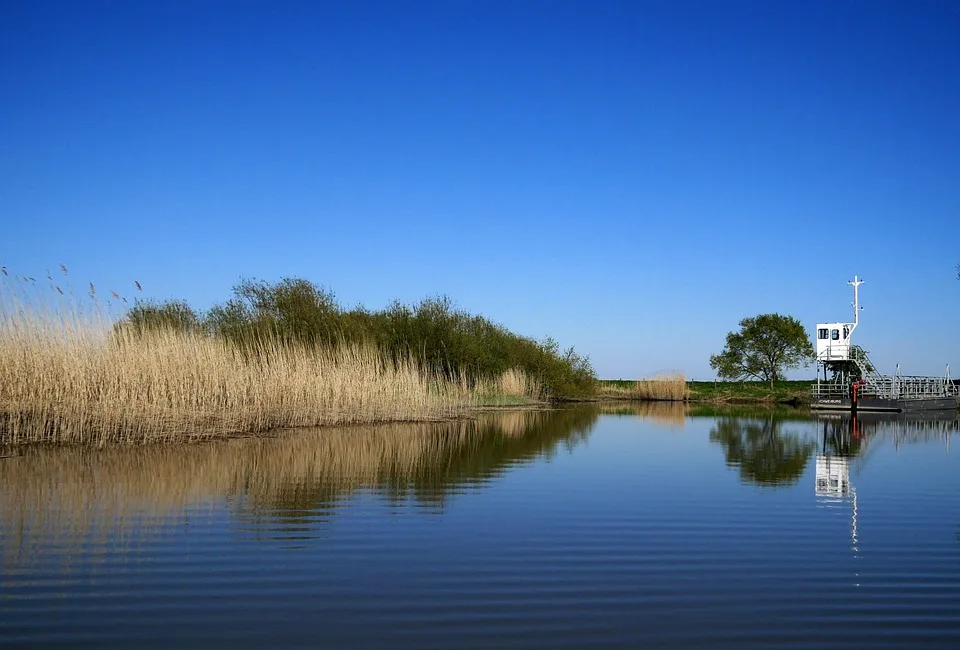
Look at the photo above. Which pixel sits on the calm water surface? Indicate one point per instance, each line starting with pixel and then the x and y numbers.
pixel 621 527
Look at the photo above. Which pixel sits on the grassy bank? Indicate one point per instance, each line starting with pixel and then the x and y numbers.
pixel 676 388
pixel 73 374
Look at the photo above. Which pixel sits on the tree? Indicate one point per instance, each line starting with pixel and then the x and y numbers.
pixel 148 315
pixel 763 349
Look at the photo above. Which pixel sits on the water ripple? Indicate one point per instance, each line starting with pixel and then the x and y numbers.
pixel 563 531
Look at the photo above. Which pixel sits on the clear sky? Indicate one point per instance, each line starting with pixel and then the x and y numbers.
pixel 632 178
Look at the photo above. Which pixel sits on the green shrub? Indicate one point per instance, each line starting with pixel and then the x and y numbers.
pixel 444 339
pixel 147 315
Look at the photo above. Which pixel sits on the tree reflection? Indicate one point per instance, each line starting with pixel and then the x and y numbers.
pixel 763 452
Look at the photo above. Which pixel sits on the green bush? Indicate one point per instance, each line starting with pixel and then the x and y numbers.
pixel 443 338
pixel 148 315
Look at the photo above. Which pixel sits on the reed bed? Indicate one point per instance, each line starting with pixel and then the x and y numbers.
pixel 671 387
pixel 82 371
pixel 518 383
pixel 70 377
pixel 514 386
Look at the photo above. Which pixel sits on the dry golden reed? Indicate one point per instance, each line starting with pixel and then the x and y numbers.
pixel 70 376
pixel 516 382
pixel 514 385
pixel 671 387
pixel 668 387
pixel 78 387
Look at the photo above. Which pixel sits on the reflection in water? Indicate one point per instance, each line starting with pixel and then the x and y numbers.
pixel 750 411
pixel 78 492
pixel 857 437
pixel 762 449
pixel 672 414
pixel 675 414
pixel 847 439
pixel 638 539
pixel 841 440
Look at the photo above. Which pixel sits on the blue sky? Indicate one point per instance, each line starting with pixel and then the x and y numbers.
pixel 632 178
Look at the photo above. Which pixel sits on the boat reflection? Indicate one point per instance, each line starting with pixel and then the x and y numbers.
pixel 848 436
pixel 847 442
pixel 841 440
pixel 845 438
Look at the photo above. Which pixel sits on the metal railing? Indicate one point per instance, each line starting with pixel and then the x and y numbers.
pixel 837 387
pixel 888 386
pixel 840 351
pixel 906 387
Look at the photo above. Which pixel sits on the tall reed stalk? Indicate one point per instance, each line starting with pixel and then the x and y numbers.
pixel 511 387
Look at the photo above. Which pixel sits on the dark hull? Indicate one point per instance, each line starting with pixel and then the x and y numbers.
pixel 876 404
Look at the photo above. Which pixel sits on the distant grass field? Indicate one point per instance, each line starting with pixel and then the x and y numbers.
pixel 791 392
pixel 795 391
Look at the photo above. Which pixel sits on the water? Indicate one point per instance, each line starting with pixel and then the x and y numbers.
pixel 621 527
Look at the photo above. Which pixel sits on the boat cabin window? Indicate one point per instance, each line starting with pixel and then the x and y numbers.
pixel 846 333
pixel 823 333
pixel 835 335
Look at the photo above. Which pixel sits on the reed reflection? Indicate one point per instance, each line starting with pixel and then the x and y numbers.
pixel 767 451
pixel 299 475
pixel 671 414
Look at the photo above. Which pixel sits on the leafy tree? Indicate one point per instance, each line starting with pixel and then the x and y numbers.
pixel 763 349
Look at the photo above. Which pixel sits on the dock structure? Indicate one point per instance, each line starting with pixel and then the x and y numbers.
pixel 855 385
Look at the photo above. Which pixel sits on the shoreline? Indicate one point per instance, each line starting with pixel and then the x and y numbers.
pixel 9 448
pixel 794 393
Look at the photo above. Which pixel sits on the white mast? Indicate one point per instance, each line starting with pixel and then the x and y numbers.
pixel 856 282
